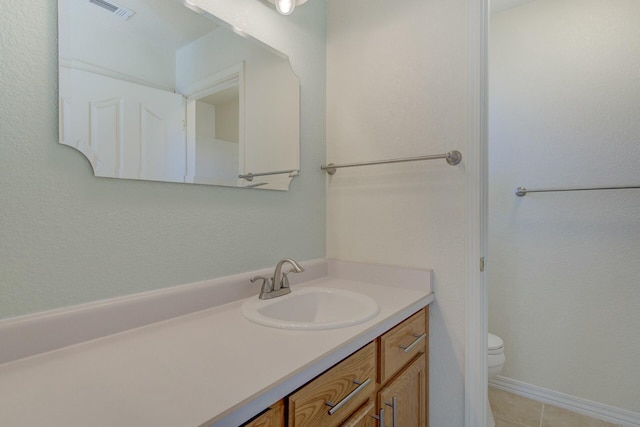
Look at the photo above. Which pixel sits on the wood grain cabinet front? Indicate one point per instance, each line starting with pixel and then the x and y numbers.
pixel 363 417
pixel 403 354
pixel 272 417
pixel 333 396
pixel 404 399
pixel 402 344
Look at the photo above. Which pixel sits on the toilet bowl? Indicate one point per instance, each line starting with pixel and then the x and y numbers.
pixel 495 355
pixel 495 362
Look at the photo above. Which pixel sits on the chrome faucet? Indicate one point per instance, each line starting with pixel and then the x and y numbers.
pixel 278 284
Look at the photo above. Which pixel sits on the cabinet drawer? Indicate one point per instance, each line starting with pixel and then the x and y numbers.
pixel 272 417
pixel 401 344
pixel 337 387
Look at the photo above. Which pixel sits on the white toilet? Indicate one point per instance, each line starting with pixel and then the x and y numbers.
pixel 495 362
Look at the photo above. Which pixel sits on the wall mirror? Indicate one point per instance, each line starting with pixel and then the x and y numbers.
pixel 160 90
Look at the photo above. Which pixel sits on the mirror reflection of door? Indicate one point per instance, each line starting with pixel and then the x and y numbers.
pixel 125 129
pixel 217 141
pixel 215 130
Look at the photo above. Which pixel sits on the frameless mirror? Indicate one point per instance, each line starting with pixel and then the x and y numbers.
pixel 159 90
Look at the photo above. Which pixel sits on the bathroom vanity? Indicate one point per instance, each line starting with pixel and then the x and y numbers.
pixel 214 367
pixel 397 360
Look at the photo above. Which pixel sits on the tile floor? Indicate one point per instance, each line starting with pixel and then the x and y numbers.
pixel 510 410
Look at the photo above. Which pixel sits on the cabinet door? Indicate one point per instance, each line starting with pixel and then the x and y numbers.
pixel 404 399
pixel 363 417
pixel 273 417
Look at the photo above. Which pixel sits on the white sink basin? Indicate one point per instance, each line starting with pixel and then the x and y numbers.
pixel 312 308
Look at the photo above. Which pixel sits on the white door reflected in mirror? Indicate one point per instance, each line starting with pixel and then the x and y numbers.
pixel 151 90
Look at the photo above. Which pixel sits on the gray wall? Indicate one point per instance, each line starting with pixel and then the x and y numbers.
pixel 67 237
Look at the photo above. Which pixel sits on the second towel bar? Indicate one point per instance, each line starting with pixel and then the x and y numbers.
pixel 452 157
pixel 521 191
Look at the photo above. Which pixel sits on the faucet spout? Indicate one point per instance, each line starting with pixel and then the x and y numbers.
pixel 279 279
pixel 278 285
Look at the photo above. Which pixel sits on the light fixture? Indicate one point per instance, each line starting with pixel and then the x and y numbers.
pixel 286 7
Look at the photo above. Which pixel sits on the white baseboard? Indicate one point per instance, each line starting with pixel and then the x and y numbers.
pixel 575 404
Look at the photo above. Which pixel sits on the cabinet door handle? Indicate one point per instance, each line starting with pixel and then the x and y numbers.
pixel 393 405
pixel 380 418
pixel 336 406
pixel 418 338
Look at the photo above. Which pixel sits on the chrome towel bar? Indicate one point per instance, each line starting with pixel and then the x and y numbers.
pixel 521 191
pixel 249 176
pixel 452 157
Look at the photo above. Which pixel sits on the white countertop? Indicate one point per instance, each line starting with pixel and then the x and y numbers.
pixel 209 367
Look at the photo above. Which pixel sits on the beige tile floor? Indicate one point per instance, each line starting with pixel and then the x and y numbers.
pixel 510 410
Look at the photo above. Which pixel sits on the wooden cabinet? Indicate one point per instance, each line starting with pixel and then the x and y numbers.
pixel 363 417
pixel 402 344
pixel 388 378
pixel 404 399
pixel 330 398
pixel 403 372
pixel 272 417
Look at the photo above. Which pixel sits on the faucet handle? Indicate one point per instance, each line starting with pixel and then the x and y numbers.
pixel 266 283
pixel 285 279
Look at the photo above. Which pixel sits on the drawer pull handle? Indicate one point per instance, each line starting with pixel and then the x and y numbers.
pixel 336 406
pixel 393 406
pixel 380 418
pixel 418 338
